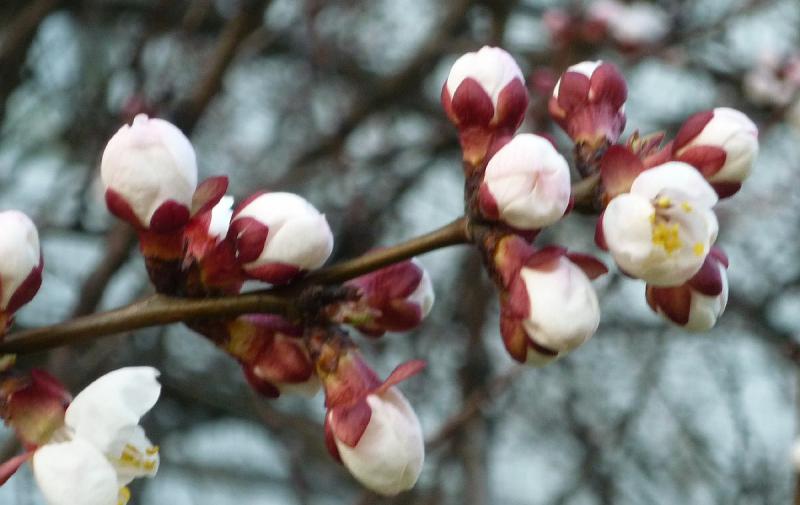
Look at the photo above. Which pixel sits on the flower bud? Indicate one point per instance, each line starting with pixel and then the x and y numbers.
pixel 663 229
pixel 395 298
pixel 278 236
pixel 150 174
pixel 484 96
pixel 697 304
pixel 33 406
pixel 588 102
pixel 526 184
pixel 722 144
pixel 549 306
pixel 273 354
pixel 20 264
pixel 370 426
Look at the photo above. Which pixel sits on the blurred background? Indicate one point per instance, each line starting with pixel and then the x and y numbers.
pixel 338 100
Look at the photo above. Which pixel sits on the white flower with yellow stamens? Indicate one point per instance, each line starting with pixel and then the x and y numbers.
pixel 101 448
pixel 663 229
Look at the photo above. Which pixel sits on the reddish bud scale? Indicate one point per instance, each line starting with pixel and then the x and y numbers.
pixel 34 407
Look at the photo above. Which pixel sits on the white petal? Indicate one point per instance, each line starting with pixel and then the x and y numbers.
pixel 675 175
pixel 133 455
pixel 737 135
pixel 19 250
pixel 564 311
pixel 305 241
pixel 221 217
pixel 388 459
pixel 424 295
pixel 114 402
pixel 74 473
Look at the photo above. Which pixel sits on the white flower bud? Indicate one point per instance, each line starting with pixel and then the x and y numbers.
pixel 145 166
pixel 734 133
pixel 279 235
pixel 526 184
pixel 564 311
pixel 492 67
pixel 389 455
pixel 663 229
pixel 20 260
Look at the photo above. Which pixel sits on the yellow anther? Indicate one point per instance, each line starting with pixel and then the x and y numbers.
pixel 152 451
pixel 124 496
pixel 149 466
pixel 652 218
pixel 699 249
pixel 687 207
pixel 663 202
pixel 666 236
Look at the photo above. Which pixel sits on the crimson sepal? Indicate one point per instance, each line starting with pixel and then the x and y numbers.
pixel 34 406
pixel 591 266
pixel 691 128
pixel 726 189
pixel 10 467
pixel 261 386
pixel 119 207
pixel 675 302
pixel 619 167
pixel 487 203
pixel 169 217
pixel 607 85
pixel 27 289
pixel 208 194
pixel 249 235
pixel 599 235
pixel 708 280
pixel 708 160
pixel 469 105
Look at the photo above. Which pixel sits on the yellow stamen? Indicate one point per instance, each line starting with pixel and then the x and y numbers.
pixel 133 457
pixel 652 218
pixel 124 496
pixel 666 236
pixel 687 207
pixel 699 249
pixel 152 451
pixel 663 202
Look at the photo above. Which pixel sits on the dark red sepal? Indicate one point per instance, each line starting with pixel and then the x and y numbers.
pixel 573 91
pixel 675 302
pixel 261 386
pixel 619 167
pixel 28 289
pixel 119 207
pixel 274 273
pixel 726 189
pixel 349 422
pixel 209 193
pixel 591 266
pixel 249 235
pixel 487 203
pixel 471 105
pixel 403 372
pixel 691 128
pixel 708 160
pixel 608 85
pixel 599 236
pixel 330 440
pixel 10 467
pixel 169 216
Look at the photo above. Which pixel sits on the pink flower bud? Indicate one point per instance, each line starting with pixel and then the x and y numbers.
pixel 662 230
pixel 550 307
pixel 279 236
pixel 273 354
pixel 697 304
pixel 370 426
pixel 20 263
pixel 397 298
pixel 526 184
pixel 588 102
pixel 485 89
pixel 722 144
pixel 150 174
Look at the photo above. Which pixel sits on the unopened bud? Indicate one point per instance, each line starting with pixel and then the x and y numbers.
pixel 20 264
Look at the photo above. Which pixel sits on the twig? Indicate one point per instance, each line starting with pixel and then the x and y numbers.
pixel 159 309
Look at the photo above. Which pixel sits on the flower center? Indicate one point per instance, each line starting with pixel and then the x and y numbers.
pixel 132 457
pixel 666 220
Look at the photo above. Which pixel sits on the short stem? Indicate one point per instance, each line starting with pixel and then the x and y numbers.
pixel 160 309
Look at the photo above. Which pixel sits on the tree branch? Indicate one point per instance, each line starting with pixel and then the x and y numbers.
pixel 160 309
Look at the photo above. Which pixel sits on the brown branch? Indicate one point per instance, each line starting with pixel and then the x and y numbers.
pixel 159 309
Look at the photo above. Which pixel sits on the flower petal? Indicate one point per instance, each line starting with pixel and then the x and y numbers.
pixel 112 403
pixel 75 472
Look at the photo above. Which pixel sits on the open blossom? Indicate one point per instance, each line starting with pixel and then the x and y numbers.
pixel 99 447
pixel 697 304
pixel 370 427
pixel 663 229
pixel 549 306
pixel 279 236
pixel 273 355
pixel 396 298
pixel 526 184
pixel 149 172
pixel 20 263
pixel 722 144
pixel 588 102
